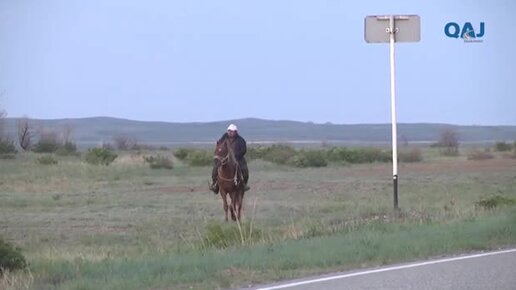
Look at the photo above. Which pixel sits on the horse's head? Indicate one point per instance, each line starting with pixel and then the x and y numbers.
pixel 221 154
pixel 224 154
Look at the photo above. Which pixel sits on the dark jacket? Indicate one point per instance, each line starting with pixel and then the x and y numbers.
pixel 239 145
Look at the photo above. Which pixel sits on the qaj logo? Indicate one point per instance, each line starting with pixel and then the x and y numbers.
pixel 467 33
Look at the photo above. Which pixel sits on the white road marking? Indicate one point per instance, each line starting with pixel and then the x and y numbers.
pixel 305 282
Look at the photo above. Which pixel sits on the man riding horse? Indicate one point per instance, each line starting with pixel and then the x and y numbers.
pixel 239 148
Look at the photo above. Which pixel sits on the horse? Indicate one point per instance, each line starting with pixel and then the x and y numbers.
pixel 229 179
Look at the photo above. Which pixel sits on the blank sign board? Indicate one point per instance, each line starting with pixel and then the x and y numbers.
pixel 407 28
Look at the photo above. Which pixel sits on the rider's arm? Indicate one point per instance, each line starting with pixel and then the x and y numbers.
pixel 241 148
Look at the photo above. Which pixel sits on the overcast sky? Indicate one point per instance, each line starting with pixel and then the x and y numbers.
pixel 183 61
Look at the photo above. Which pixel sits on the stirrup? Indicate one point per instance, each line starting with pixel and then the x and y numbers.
pixel 215 188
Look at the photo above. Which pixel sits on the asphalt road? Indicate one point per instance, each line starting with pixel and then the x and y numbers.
pixel 489 270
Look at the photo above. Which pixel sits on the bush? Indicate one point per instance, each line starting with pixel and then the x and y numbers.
pixel 413 155
pixel 47 160
pixel 449 142
pixel 194 157
pixel 494 201
pixel 279 154
pixel 158 162
pixel 358 155
pixel 511 154
pixel 100 156
pixel 11 257
pixel 124 142
pixel 66 149
pixel 312 158
pixel 479 155
pixel 256 152
pixel 7 147
pixel 284 154
pixel 52 146
pixel 199 158
pixel 502 146
pixel 7 156
pixel 108 146
pixel 182 153
pixel 46 146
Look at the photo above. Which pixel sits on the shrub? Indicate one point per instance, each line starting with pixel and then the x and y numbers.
pixel 108 146
pixel 48 143
pixel 257 152
pixel 46 146
pixel 182 153
pixel 338 154
pixel 502 146
pixel 11 257
pixel 413 155
pixel 124 142
pixel 67 148
pixel 358 155
pixel 7 156
pixel 47 160
pixel 494 201
pixel 199 158
pixel 513 153
pixel 449 142
pixel 158 162
pixel 7 149
pixel 279 154
pixel 100 156
pixel 479 155
pixel 311 158
pixel 370 155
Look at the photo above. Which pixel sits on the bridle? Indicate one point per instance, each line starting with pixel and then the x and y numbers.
pixel 223 161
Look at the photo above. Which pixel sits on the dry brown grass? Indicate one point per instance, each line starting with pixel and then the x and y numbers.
pixel 20 280
pixel 92 213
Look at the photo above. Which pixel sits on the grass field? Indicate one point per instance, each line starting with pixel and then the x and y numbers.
pixel 126 226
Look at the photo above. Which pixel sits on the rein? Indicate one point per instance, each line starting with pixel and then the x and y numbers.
pixel 224 161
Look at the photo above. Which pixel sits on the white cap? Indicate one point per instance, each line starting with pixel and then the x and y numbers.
pixel 232 127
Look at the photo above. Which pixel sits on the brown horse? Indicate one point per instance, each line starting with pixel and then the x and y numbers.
pixel 229 179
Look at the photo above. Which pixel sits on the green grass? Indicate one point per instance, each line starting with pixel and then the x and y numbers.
pixel 126 226
pixel 371 245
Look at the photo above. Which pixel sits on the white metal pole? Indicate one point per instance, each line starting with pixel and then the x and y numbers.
pixel 392 32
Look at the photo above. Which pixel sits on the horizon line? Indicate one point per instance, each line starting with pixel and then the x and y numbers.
pixel 327 123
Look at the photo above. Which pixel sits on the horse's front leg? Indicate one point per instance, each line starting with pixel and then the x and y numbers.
pixel 240 197
pixel 233 208
pixel 224 204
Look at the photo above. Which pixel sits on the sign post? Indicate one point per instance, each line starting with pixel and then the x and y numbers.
pixel 391 29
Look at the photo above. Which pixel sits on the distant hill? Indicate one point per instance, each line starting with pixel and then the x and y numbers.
pixel 91 131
